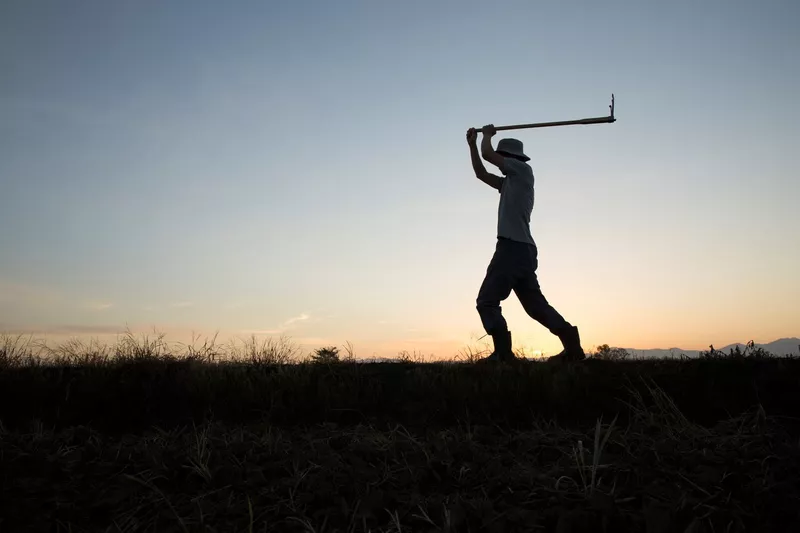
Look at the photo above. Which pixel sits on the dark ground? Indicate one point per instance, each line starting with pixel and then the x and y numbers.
pixel 161 444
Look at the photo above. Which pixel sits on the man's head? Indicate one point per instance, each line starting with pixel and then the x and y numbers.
pixel 512 148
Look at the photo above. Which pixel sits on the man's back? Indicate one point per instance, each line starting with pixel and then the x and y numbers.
pixel 516 201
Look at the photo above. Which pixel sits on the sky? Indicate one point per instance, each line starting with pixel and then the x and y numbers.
pixel 300 169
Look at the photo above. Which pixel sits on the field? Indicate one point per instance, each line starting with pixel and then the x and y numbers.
pixel 138 438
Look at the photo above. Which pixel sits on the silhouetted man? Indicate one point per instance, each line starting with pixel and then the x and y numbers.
pixel 513 266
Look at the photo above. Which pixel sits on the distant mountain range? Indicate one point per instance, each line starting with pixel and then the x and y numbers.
pixel 788 346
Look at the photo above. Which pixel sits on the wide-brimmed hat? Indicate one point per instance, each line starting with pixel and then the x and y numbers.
pixel 511 147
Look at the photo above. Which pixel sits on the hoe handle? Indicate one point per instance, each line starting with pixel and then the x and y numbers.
pixel 596 120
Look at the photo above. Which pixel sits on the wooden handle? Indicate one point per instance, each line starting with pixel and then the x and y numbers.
pixel 596 120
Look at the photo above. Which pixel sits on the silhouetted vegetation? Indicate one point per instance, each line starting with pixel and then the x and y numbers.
pixel 750 351
pixel 329 354
pixel 137 437
pixel 607 353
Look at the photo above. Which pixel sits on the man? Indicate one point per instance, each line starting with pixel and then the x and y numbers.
pixel 513 266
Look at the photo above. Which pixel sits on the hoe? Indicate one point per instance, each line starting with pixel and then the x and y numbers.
pixel 596 120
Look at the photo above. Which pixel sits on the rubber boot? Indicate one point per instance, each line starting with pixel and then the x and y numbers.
pixel 573 351
pixel 502 348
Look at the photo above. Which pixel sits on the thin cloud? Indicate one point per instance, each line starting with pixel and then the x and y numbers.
pixel 99 306
pixel 287 324
pixel 300 318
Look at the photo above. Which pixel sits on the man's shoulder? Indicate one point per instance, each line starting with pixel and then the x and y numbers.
pixel 515 166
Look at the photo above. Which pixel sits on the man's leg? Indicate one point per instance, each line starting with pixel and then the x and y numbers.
pixel 536 305
pixel 495 288
pixel 538 308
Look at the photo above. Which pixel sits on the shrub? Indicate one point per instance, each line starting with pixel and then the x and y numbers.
pixel 607 353
pixel 328 354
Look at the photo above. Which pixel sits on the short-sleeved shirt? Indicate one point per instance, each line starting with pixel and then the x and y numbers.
pixel 516 201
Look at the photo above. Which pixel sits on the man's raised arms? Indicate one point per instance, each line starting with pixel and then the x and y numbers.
pixel 486 147
pixel 477 165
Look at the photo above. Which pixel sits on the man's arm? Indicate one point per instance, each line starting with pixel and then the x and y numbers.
pixel 477 165
pixel 486 147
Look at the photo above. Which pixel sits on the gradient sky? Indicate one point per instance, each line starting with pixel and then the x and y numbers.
pixel 301 168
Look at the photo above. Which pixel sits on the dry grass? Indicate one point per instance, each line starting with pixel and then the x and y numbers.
pixel 739 475
pixel 136 438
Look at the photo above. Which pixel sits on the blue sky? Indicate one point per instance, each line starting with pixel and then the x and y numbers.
pixel 300 168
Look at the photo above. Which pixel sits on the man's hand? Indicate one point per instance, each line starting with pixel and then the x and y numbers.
pixel 486 147
pixel 477 165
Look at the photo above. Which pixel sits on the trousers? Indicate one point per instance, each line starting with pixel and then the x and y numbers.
pixel 513 267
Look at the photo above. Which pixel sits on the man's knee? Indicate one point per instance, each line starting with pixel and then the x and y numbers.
pixel 482 302
pixel 492 318
pixel 489 311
